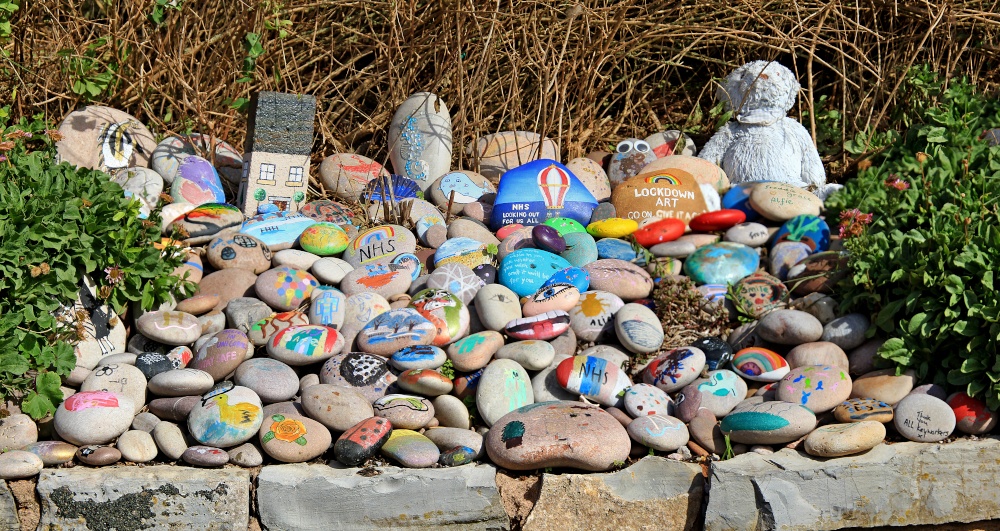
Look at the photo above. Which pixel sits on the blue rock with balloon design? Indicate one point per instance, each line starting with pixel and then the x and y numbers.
pixel 534 192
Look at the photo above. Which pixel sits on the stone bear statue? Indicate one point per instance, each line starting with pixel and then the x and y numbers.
pixel 761 143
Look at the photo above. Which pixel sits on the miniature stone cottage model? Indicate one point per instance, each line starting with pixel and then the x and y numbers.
pixel 276 154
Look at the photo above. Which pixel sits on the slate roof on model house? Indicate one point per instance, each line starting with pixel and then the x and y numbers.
pixel 281 123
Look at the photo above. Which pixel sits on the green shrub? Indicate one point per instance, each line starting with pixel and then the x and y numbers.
pixel 57 224
pixel 924 241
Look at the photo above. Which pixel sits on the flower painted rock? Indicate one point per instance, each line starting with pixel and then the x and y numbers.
pixel 379 245
pixel 768 423
pixel 760 364
pixel 543 326
pixel 500 152
pixel 93 417
pixel 659 432
pixel 197 182
pixel 445 312
pixel 659 194
pixel 638 328
pixel 323 239
pixel 558 434
pixel 721 263
pixel 285 288
pixel 362 441
pixel 279 230
pixel 420 142
pixel 503 387
pixel 817 387
pixel 808 229
pixel 221 354
pixel 674 369
pixel 293 438
pixel 171 328
pixel 594 378
pixel 226 416
pixel 346 174
pixel 305 344
pixel 592 318
pixel 533 192
pixel 366 373
pixel 862 409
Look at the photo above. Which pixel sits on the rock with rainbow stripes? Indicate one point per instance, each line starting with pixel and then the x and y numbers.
pixel 760 364
pixel 379 245
pixel 672 193
pixel 594 378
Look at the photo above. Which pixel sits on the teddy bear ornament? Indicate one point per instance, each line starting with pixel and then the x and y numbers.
pixel 761 143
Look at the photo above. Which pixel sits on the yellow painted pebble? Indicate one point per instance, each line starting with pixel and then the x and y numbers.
pixel 612 228
pixel 323 239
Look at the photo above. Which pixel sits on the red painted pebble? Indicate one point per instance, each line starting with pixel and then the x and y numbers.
pixel 665 230
pixel 718 220
pixel 507 230
pixel 362 441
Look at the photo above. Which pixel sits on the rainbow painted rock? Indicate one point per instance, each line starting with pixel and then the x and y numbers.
pixel 594 378
pixel 760 364
pixel 817 387
pixel 660 194
pixel 674 369
pixel 542 327
pixel 285 288
pixel 717 220
pixel 205 221
pixel 305 344
pixel 279 230
pixel 542 189
pixel 323 239
pixel 361 442
pixel 721 263
pixel 379 245
pixel 664 230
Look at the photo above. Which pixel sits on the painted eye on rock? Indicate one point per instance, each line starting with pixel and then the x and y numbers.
pixel 551 292
pixel 625 146
pixel 641 146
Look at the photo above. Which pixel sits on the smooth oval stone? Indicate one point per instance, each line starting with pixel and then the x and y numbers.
pixel 818 272
pixel 460 250
pixel 198 304
pixel 971 415
pixel 558 434
pixel 285 288
pixel 768 423
pixel 883 385
pixel 496 305
pixel 221 354
pixel 181 382
pixel 750 234
pixel 330 270
pixel 18 464
pixel 503 387
pixel 594 378
pixel 721 263
pixel 206 456
pixel 425 382
pixel 197 182
pixel 817 353
pixel 396 329
pixel 203 222
pixel 245 455
pixel 861 409
pixel 226 416
pixel 718 353
pixel 674 369
pixel 626 280
pixel 386 280
pixel 126 380
pixel 789 327
pixel 239 251
pixel 170 328
pixel 525 270
pixel 659 432
pixel 760 364
pixel 759 294
pixel 819 306
pixel 328 308
pixel 542 327
pixel 328 211
pixel 592 318
pixel 279 230
pixel 294 258
pixel 677 249
pixel 532 355
pixel 170 440
pixel 265 329
pixel 174 408
pixel 52 453
pixel 781 201
pixel 810 230
pixel 366 373
pixel 459 188
pixel 473 352
pixel 445 311
pixel 410 449
pixel 419 357
pixel 323 239
pixel 305 344
pixel 336 407
pixel 93 417
pixel 361 441
pixel 817 387
pixel 548 239
pixel 272 380
pixel 644 399
pixel 784 256
pixel 720 392
pixel 346 174
pixel 551 297
pixel 638 328
pixel 421 140
pixel 293 438
pixel 657 232
pixel 612 228
pixel 451 412
pixel 137 446
pixel 848 331
pixel 924 418
pixel 615 249
pixel 95 455
pixel 738 197
pixel 836 440
pixel 405 411
pixel 718 220
pixel 581 248
pixel 458 279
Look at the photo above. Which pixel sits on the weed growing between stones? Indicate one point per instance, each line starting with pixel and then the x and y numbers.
pixel 685 313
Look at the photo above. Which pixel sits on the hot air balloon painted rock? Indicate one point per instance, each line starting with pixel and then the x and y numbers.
pixel 534 192
pixel 420 142
pixel 661 194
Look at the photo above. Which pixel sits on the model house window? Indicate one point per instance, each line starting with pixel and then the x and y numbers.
pixel 267 172
pixel 295 175
pixel 246 168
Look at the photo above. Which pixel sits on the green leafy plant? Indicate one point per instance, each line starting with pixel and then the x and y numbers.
pixel 94 71
pixel 921 227
pixel 7 10
pixel 59 223
pixel 158 16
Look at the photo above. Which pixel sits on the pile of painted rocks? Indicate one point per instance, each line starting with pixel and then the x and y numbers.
pixel 493 320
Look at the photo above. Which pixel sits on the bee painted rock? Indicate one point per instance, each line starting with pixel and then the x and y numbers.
pixel 106 139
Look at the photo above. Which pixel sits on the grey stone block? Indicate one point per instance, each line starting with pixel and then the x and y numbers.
pixel 891 485
pixel 302 497
pixel 8 509
pixel 653 494
pixel 152 497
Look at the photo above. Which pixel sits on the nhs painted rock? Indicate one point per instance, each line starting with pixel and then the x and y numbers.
pixel 534 192
pixel 420 141
pixel 594 378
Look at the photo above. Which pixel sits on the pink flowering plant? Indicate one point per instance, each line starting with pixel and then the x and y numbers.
pixel 922 231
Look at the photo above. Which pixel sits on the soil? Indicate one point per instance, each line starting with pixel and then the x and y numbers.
pixel 518 493
pixel 28 509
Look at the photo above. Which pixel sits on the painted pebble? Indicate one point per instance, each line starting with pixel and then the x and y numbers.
pixel 405 411
pixel 395 329
pixel 226 416
pixel 718 220
pixel 221 354
pixel 638 328
pixel 592 318
pixel 674 369
pixel 760 364
pixel 426 382
pixel 861 409
pixel 644 399
pixel 659 432
pixel 503 387
pixel 323 239
pixel 362 441
pixel 721 263
pixel 336 407
pixel 410 449
pixel 263 331
pixel 768 423
pixel 924 418
pixel 718 353
pixel 971 415
pixel 93 417
pixel 239 251
pixel 662 231
pixel 721 391
pixel 285 288
pixel 206 456
pixel 474 351
pixel 366 373
pixel 817 387
pixel 170 328
pixel 305 344
pixel 594 378
pixel 418 357
pixel 293 438
pixel 542 327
